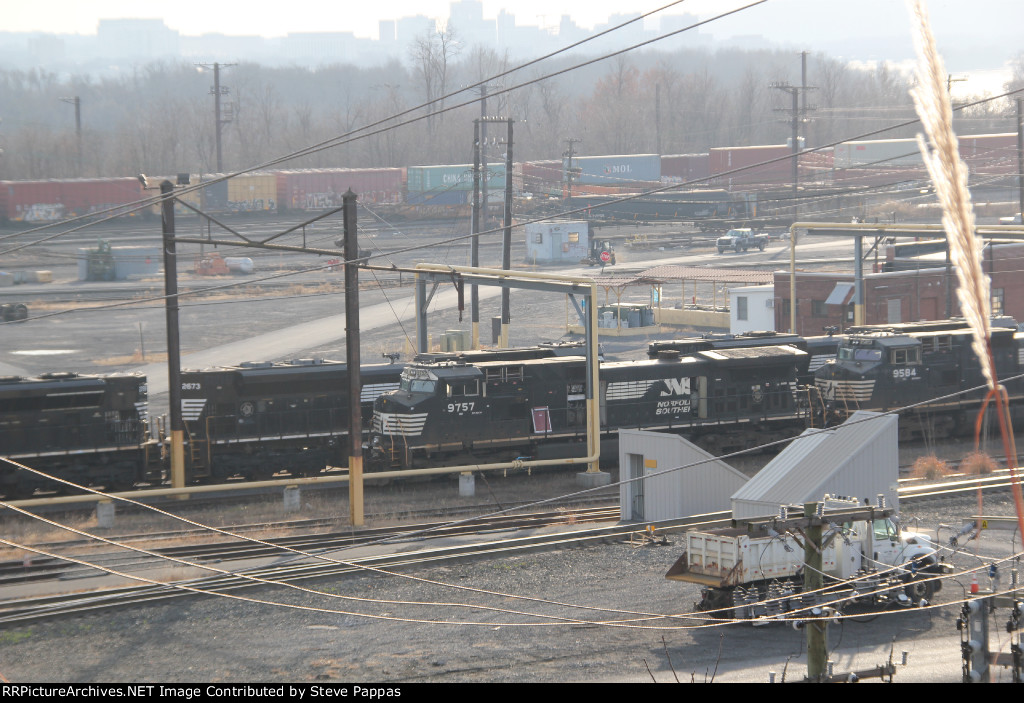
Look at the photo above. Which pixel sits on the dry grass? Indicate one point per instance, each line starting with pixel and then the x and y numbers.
pixel 978 463
pixel 133 358
pixel 929 468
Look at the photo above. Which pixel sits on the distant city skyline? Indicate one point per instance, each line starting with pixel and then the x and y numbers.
pixel 979 38
pixel 782 19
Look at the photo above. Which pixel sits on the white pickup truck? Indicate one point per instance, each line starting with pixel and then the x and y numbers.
pixel 737 569
pixel 741 240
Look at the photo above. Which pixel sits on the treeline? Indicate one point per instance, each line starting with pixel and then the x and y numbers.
pixel 159 119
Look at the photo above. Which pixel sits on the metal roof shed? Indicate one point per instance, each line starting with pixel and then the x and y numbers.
pixel 703 487
pixel 858 459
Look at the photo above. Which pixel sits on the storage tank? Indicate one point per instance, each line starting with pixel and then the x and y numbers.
pixel 239 264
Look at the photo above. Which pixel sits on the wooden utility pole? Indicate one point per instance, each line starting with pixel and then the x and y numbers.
pixel 474 251
pixel 506 241
pixel 173 343
pixel 218 119
pixel 355 411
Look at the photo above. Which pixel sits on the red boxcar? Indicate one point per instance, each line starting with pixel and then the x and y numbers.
pixel 322 189
pixel 52 200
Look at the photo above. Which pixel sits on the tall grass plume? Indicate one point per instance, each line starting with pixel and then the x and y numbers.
pixel 949 176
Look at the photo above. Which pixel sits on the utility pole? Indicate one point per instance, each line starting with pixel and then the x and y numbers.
pixel 570 171
pixel 474 250
pixel 506 241
pixel 219 121
pixel 355 432
pixel 173 343
pixel 77 102
pixel 797 114
pixel 657 118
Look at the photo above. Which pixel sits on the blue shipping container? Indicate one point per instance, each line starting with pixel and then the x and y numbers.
pixel 423 179
pixel 616 170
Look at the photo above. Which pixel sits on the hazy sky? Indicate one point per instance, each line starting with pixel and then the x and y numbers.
pixel 784 19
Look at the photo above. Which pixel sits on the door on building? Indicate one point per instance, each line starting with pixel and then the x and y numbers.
pixel 636 487
pixel 895 306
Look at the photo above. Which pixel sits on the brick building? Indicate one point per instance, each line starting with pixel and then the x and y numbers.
pixel 916 291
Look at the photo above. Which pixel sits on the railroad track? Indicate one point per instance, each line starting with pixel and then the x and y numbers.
pixel 299 569
pixel 46 568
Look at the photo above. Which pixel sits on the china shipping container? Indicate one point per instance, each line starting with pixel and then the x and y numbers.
pixel 47 201
pixel 434 179
pixel 322 189
pixel 683 168
pixel 625 170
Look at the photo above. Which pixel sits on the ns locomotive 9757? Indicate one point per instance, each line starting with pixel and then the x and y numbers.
pixel 87 429
pixel 258 418
pixel 453 413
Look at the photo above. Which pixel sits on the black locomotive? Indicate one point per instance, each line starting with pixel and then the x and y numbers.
pixel 454 413
pixel 258 418
pixel 819 349
pixel 883 367
pixel 86 429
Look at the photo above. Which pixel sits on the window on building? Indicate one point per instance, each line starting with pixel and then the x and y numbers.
pixel 538 238
pixel 574 237
pixel 741 307
pixel 997 301
pixel 818 308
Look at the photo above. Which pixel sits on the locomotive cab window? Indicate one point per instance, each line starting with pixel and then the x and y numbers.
pixel 909 355
pixel 463 388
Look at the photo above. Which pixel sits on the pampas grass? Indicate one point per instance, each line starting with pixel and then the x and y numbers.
pixel 949 175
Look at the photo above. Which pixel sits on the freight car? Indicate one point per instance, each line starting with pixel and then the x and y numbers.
pixel 883 367
pixel 87 429
pixel 452 413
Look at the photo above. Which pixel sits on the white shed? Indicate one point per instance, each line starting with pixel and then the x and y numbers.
pixel 858 459
pixel 751 309
pixel 557 241
pixel 704 486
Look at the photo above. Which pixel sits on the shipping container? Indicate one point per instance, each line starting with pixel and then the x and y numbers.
pixel 434 179
pixel 622 170
pixel 683 168
pixel 539 173
pixel 989 154
pixel 878 153
pixel 745 165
